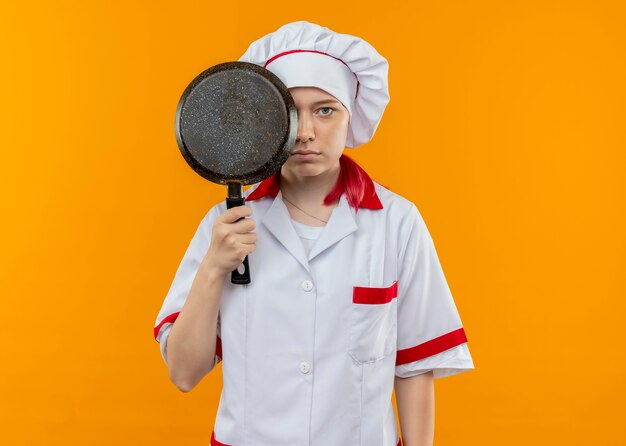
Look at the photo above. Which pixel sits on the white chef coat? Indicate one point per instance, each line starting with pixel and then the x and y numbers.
pixel 311 346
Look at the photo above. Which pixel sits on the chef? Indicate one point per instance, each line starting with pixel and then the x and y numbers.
pixel 347 295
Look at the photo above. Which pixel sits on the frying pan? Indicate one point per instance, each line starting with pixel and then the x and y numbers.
pixel 236 124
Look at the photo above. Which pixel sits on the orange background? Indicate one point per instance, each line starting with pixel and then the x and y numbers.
pixel 506 127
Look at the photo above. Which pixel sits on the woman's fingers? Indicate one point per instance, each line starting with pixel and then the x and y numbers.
pixel 232 238
pixel 233 214
pixel 243 226
pixel 247 239
pixel 237 218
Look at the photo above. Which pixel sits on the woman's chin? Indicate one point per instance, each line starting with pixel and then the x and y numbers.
pixel 304 169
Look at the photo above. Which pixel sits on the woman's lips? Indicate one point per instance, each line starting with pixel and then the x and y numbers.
pixel 305 155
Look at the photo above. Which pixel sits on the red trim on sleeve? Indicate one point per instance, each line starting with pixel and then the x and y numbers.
pixel 432 347
pixel 368 295
pixel 171 318
pixel 214 442
pixel 399 442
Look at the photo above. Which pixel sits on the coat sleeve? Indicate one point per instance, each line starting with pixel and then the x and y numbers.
pixel 430 332
pixel 179 289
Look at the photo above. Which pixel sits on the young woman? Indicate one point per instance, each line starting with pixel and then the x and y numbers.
pixel 348 300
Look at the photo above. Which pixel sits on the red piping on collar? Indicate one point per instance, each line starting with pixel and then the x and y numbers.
pixel 268 187
pixel 271 186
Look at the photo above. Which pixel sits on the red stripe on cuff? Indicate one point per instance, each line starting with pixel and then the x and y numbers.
pixel 214 442
pixel 432 347
pixel 171 318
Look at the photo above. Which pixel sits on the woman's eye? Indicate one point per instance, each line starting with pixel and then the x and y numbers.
pixel 326 111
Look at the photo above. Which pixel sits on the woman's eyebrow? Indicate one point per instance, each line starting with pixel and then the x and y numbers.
pixel 327 101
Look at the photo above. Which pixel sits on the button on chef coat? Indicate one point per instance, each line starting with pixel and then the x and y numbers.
pixel 305 367
pixel 378 307
pixel 307 285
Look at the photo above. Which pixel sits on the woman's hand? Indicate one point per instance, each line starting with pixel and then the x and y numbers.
pixel 231 240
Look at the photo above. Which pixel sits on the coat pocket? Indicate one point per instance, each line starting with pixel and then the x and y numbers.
pixel 374 321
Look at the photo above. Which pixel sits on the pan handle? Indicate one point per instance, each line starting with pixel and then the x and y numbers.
pixel 235 198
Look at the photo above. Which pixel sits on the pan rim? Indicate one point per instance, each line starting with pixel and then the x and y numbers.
pixel 277 159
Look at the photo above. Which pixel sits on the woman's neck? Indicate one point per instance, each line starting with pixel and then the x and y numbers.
pixel 309 190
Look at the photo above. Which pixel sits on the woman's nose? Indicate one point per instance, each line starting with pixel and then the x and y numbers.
pixel 305 129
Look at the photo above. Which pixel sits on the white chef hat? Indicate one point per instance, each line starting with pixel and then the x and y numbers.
pixel 304 54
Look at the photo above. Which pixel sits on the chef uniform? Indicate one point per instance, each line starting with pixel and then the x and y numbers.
pixel 310 348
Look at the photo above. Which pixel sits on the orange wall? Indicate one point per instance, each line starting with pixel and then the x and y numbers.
pixel 506 127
